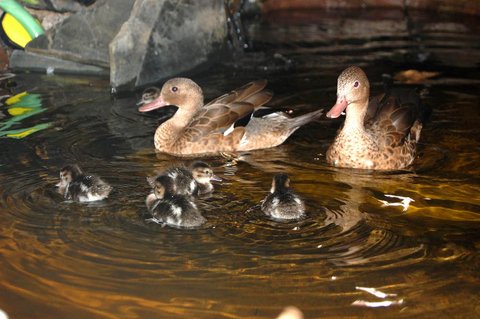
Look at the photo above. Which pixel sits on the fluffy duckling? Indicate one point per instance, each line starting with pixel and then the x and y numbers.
pixel 77 186
pixel 283 202
pixel 191 182
pixel 169 208
pixel 203 175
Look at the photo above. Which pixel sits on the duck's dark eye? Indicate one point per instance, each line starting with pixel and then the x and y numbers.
pixel 174 89
pixel 356 84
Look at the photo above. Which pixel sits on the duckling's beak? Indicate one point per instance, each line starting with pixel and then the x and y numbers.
pixel 215 178
pixel 155 104
pixel 338 108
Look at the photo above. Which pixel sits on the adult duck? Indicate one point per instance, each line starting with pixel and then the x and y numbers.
pixel 380 134
pixel 236 121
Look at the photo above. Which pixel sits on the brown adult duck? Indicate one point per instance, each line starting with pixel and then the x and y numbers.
pixel 236 121
pixel 380 134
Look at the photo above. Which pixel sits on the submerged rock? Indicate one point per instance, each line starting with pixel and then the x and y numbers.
pixel 21 60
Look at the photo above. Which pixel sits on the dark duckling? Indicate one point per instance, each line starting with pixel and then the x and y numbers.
pixel 191 182
pixel 169 208
pixel 283 202
pixel 80 187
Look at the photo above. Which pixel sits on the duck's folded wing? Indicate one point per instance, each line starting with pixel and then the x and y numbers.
pixel 252 92
pixel 393 116
pixel 217 119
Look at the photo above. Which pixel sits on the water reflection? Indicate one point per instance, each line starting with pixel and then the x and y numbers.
pixel 19 108
pixel 102 260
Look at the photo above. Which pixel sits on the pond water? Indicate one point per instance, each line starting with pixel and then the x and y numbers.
pixel 103 260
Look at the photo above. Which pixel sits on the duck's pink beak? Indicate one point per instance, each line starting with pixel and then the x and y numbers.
pixel 338 108
pixel 155 104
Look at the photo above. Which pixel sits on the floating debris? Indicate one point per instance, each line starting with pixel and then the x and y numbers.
pixel 414 76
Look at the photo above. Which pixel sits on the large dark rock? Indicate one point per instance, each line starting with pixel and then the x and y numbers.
pixel 84 37
pixel 140 41
pixel 165 37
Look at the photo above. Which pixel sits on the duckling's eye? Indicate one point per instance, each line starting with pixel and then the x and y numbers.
pixel 356 84
pixel 174 89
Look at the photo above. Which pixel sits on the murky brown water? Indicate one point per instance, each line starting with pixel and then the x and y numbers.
pixel 102 260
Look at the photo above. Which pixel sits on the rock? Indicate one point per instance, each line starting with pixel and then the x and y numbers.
pixel 141 41
pixel 84 37
pixel 165 37
pixel 48 19
pixel 56 5
pixel 21 60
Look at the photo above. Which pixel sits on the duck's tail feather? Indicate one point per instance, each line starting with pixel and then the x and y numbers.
pixel 298 121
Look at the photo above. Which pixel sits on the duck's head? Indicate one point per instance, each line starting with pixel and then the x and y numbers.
pixel 181 92
pixel 280 182
pixel 353 90
pixel 149 95
pixel 68 174
pixel 203 173
pixel 163 186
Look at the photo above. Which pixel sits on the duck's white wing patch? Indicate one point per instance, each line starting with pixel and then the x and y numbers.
pixel 229 130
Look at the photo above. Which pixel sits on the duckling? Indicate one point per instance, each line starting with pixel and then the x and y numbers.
pixel 169 208
pixel 283 202
pixel 77 186
pixel 192 182
pixel 203 175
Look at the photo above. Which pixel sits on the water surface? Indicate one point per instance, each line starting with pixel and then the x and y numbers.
pixel 102 260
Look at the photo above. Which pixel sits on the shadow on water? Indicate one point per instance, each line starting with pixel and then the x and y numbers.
pixel 412 233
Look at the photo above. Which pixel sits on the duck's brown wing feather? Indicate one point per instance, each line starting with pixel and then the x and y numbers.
pixel 247 93
pixel 216 119
pixel 391 116
pixel 220 114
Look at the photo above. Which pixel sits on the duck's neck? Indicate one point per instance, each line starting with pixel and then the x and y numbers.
pixel 355 117
pixel 170 131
